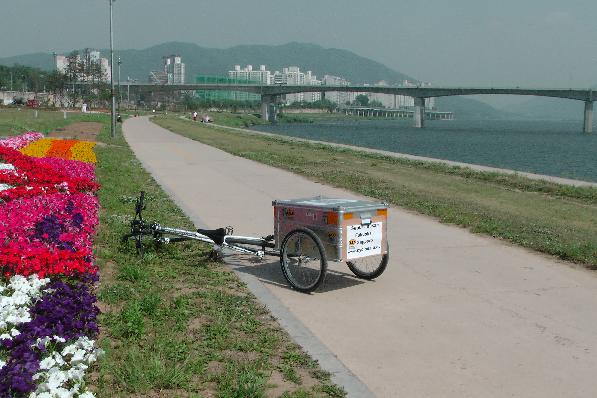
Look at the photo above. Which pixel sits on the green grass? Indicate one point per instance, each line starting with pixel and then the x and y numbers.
pixel 235 119
pixel 174 323
pixel 251 119
pixel 551 218
pixel 15 122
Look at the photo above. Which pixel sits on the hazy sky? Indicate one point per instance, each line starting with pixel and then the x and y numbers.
pixel 545 43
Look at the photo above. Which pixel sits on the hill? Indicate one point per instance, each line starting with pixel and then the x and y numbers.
pixel 213 61
pixel 469 108
pixel 548 109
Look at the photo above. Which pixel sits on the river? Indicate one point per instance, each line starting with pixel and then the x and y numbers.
pixel 557 148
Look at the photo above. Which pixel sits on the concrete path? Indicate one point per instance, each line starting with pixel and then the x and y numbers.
pixel 454 315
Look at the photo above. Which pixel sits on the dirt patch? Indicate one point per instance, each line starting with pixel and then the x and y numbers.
pixel 84 131
pixel 278 385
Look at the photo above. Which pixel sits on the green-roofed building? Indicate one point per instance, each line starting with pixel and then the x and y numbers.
pixel 217 95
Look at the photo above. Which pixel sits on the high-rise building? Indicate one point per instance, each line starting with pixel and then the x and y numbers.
pixel 261 75
pixel 174 69
pixel 62 63
pixel 292 76
pixel 401 101
pixel 337 97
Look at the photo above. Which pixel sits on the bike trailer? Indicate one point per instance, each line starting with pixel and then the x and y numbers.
pixel 348 228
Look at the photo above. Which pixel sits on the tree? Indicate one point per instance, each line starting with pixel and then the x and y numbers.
pixel 56 84
pixel 361 100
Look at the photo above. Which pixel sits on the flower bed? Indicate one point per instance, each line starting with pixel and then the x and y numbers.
pixel 64 149
pixel 21 141
pixel 48 217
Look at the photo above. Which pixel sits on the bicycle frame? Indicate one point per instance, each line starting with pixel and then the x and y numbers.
pixel 230 241
pixel 140 228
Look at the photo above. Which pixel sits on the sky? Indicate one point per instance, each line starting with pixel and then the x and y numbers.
pixel 527 43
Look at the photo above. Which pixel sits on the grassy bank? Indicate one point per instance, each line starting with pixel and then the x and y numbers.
pixel 15 122
pixel 174 323
pixel 251 119
pixel 550 218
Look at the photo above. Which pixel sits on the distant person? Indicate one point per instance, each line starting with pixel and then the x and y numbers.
pixel 195 116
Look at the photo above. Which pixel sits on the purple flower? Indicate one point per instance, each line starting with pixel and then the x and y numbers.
pixel 48 229
pixel 78 220
pixel 70 206
pixel 68 311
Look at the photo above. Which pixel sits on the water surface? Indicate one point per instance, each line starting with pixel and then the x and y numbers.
pixel 557 148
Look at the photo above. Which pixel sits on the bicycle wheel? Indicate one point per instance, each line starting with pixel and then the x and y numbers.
pixel 369 267
pixel 303 260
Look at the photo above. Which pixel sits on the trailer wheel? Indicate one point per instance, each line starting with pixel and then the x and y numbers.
pixel 369 267
pixel 303 260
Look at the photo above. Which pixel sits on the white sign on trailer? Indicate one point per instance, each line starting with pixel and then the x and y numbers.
pixel 363 240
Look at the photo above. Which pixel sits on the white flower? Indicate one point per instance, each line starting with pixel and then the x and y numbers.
pixel 66 369
pixel 40 395
pixel 56 378
pixel 2 363
pixel 16 298
pixel 69 350
pixel 78 356
pixel 58 339
pixel 47 363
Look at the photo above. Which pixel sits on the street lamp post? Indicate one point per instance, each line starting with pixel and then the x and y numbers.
pixel 119 92
pixel 113 114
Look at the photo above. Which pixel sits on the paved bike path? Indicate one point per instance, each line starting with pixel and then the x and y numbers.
pixel 454 315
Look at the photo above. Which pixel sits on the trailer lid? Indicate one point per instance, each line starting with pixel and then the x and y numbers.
pixel 336 204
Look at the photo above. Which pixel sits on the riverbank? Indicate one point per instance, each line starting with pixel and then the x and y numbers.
pixel 555 148
pixel 552 218
pixel 450 163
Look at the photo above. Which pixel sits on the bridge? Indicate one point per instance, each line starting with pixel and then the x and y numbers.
pixel 270 94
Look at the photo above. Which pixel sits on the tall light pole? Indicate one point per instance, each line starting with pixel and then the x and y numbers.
pixel 113 114
pixel 119 92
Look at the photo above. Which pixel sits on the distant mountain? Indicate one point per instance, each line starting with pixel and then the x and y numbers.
pixel 469 108
pixel 213 61
pixel 43 61
pixel 548 108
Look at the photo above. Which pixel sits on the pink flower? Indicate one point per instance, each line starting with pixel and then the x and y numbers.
pixel 21 141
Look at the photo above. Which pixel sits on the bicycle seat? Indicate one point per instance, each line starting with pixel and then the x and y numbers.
pixel 217 235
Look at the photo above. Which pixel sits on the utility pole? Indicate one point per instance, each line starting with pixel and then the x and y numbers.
pixel 128 92
pixel 119 91
pixel 113 114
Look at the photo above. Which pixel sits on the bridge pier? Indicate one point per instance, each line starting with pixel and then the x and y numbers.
pixel 269 110
pixel 419 115
pixel 588 120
